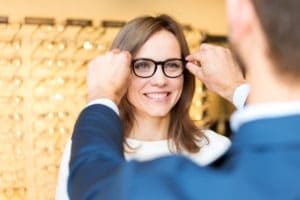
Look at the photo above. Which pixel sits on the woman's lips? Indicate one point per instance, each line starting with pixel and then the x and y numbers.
pixel 157 95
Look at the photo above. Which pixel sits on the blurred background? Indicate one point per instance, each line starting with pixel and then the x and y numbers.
pixel 45 47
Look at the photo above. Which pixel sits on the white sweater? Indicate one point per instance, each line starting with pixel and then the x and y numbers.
pixel 147 150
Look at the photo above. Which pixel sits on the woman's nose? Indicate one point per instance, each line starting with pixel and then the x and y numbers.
pixel 159 78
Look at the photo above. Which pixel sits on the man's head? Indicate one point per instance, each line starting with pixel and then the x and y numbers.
pixel 269 26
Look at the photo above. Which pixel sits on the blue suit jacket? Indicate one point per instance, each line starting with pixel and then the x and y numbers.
pixel 263 163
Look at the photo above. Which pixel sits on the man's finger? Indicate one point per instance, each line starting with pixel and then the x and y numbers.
pixel 195 70
pixel 116 51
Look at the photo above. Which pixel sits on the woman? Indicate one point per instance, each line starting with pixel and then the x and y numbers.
pixel 155 110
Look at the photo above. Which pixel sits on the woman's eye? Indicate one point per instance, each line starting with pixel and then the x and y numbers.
pixel 142 65
pixel 173 65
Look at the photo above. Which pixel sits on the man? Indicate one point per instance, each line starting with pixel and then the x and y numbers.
pixel 263 162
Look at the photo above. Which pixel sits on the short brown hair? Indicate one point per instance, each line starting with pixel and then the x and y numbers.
pixel 132 37
pixel 280 21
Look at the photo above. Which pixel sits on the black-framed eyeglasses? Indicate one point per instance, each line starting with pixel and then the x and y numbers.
pixel 145 67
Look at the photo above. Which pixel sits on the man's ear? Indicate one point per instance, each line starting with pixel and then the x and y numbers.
pixel 241 15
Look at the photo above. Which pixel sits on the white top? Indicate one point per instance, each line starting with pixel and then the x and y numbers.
pixel 147 150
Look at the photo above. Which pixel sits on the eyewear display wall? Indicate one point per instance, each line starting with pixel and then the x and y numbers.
pixel 42 83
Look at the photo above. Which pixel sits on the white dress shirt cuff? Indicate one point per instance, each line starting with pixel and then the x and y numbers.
pixel 107 102
pixel 240 95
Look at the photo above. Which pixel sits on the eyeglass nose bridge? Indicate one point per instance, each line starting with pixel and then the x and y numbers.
pixel 162 64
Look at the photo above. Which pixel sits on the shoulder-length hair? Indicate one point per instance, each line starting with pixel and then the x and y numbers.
pixel 182 131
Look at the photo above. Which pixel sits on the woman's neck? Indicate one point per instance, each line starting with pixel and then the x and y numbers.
pixel 150 128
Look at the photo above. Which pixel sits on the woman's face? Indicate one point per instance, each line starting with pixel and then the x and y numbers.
pixel 156 96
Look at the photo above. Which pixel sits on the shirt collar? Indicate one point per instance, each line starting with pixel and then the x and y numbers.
pixel 260 111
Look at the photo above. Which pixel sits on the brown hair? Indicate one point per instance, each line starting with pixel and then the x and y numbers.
pixel 280 22
pixel 182 131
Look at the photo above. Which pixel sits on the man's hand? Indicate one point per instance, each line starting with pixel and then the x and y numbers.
pixel 108 75
pixel 217 69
